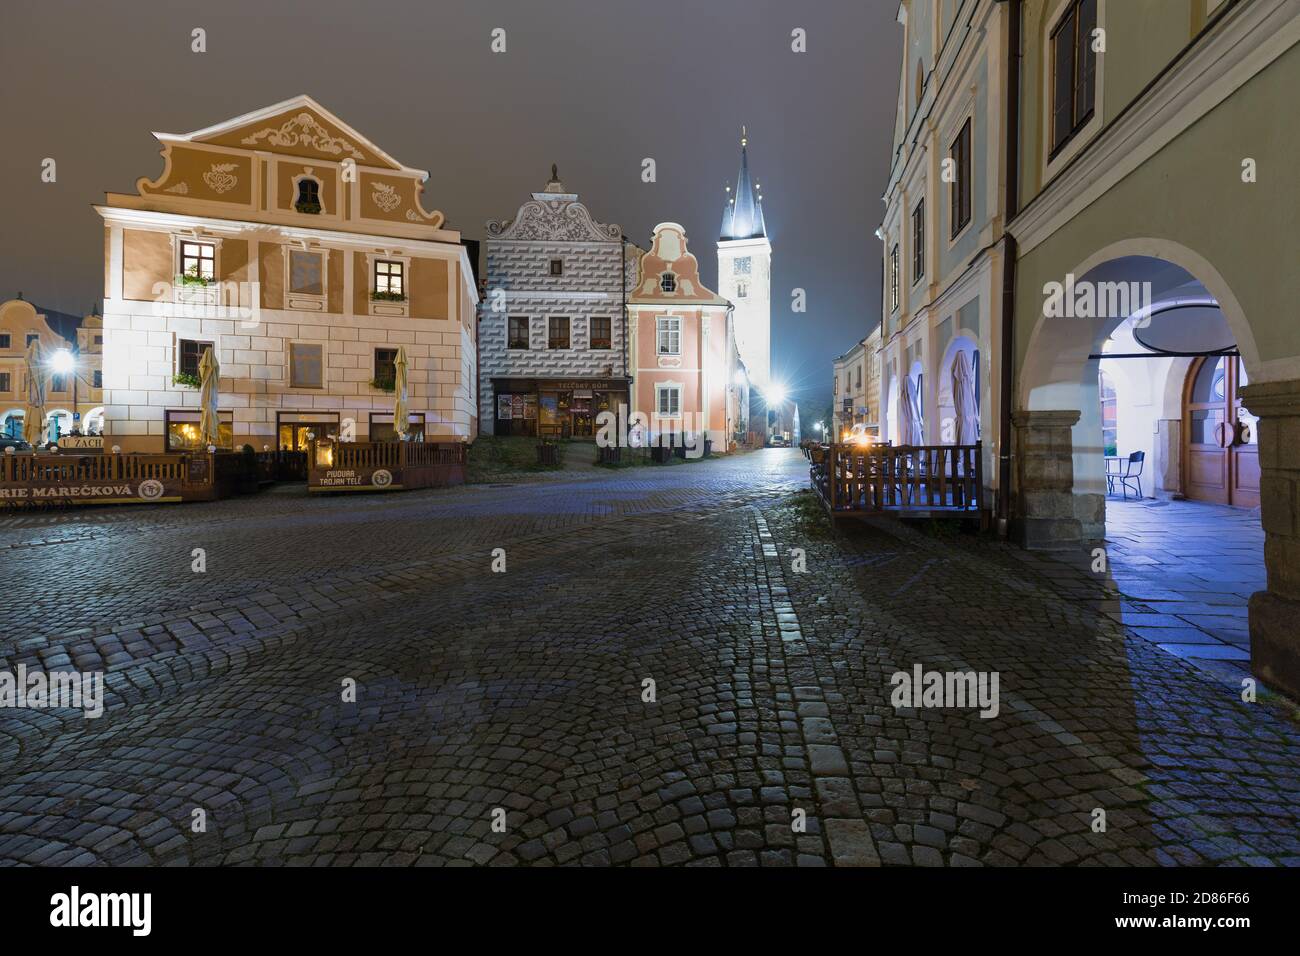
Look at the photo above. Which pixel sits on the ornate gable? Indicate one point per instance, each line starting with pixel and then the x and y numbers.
pixel 553 215
pixel 299 127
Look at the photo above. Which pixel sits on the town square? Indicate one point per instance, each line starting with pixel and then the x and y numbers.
pixel 854 435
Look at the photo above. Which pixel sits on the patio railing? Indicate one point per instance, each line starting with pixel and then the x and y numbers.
pixel 851 478
pixel 384 466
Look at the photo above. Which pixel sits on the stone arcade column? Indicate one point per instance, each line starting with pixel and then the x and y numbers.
pixel 1044 451
pixel 1275 613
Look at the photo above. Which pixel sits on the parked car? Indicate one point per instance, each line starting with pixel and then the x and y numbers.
pixel 779 441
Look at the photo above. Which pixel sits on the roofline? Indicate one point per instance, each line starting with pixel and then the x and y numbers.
pixel 265 112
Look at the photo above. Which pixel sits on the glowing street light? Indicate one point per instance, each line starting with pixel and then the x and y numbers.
pixel 775 394
pixel 63 362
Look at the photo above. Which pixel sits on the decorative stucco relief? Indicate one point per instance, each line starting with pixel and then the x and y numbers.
pixel 553 221
pixel 303 130
pixel 220 178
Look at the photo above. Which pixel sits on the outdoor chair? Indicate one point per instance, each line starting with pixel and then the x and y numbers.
pixel 1127 471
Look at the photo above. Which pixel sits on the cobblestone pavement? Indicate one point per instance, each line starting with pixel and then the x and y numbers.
pixel 771 739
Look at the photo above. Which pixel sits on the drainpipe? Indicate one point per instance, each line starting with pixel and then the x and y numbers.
pixel 1010 252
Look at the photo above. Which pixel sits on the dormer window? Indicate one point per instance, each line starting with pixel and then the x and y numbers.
pixel 308 200
pixel 668 282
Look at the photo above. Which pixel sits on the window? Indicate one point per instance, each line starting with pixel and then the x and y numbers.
pixel 961 186
pixel 306 272
pixel 1074 71
pixel 99 340
pixel 559 333
pixel 97 379
pixel 918 241
pixel 600 333
pixel 390 280
pixel 668 401
pixel 742 289
pixel 198 262
pixel 305 365
pixel 308 200
pixel 31 337
pixel 1109 416
pixel 188 355
pixel 668 282
pixel 518 332
pixel 859 376
pixel 4 341
pixel 6 382
pixel 182 427
pixel 58 382
pixel 893 278
pixel 741 266
pixel 385 368
pixel 669 329
pixel 557 267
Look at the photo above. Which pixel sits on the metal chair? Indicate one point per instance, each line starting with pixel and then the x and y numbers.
pixel 1128 472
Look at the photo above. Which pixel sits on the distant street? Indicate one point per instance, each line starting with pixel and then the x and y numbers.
pixel 520 697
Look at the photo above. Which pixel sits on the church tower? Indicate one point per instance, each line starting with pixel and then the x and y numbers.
pixel 745 270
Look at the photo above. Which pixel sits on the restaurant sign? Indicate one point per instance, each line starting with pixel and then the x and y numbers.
pixel 69 442
pixel 343 479
pixel 117 492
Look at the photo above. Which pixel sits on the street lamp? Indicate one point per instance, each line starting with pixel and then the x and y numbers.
pixel 64 362
pixel 775 394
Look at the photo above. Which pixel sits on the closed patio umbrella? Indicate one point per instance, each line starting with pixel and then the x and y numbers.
pixel 401 409
pixel 209 373
pixel 964 401
pixel 34 414
pixel 909 413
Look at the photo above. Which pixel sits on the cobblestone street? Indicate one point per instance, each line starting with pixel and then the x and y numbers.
pixel 524 690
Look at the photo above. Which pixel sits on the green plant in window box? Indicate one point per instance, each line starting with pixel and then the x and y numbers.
pixel 188 379
pixel 387 297
pixel 384 384
pixel 192 277
pixel 309 208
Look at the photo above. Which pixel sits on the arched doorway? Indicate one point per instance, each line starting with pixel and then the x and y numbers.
pixel 1220 454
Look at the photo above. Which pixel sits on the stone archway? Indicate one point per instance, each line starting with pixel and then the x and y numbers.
pixel 1056 489
pixel 1060 472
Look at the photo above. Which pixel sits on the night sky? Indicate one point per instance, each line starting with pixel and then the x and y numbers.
pixel 592 85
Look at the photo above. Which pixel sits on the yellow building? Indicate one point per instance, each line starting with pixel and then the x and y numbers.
pixel 72 351
pixel 299 251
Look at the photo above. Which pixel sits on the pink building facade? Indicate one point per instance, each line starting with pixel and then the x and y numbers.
pixel 688 377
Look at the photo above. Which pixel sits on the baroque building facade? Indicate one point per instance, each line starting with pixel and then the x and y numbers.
pixel 690 377
pixel 73 396
pixel 553 323
pixel 300 252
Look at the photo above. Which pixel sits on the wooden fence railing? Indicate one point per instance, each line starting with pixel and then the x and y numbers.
pixel 384 466
pixel 72 479
pixel 906 478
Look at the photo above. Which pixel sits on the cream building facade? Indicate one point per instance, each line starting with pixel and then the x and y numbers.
pixel 943 231
pixel 856 389
pixel 301 252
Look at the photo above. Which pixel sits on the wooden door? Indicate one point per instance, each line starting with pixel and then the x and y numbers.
pixel 1220 450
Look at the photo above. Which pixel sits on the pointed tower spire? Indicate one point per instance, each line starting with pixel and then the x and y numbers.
pixel 745 217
